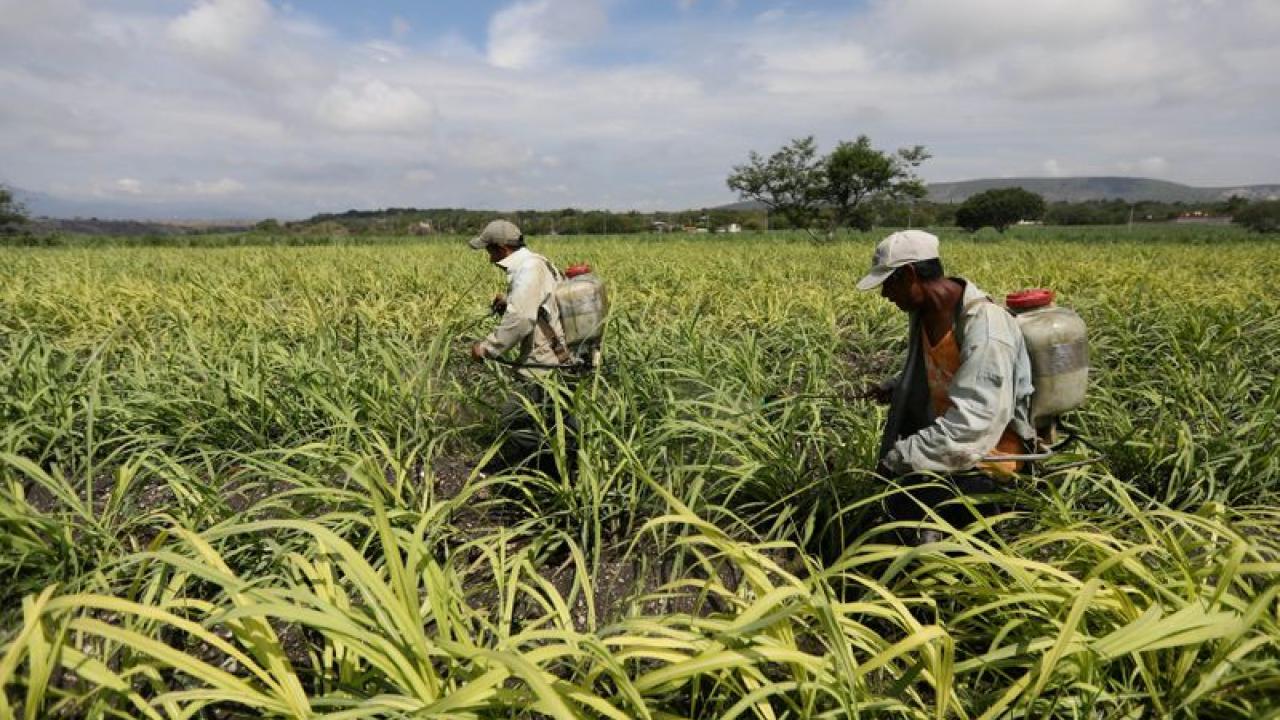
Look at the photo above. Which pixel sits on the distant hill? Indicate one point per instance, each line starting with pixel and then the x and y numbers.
pixel 162 212
pixel 112 216
pixel 133 228
pixel 1079 189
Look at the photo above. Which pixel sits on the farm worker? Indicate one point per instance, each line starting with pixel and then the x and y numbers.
pixel 965 391
pixel 530 315
pixel 530 324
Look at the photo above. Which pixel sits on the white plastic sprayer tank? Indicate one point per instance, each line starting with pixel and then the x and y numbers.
pixel 583 303
pixel 1059 348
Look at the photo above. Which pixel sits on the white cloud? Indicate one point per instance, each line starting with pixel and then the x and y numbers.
pixel 1136 66
pixel 489 153
pixel 220 27
pixel 128 186
pixel 374 106
pixel 1136 51
pixel 223 186
pixel 942 30
pixel 1153 166
pixel 824 58
pixel 534 32
pixel 267 106
pixel 385 52
pixel 70 142
pixel 420 176
pixel 21 16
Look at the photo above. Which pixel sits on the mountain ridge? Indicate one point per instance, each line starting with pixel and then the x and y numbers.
pixel 1068 189
pixel 1084 188
pixel 1102 187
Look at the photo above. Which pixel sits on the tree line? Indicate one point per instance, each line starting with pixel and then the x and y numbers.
pixel 855 186
pixel 859 186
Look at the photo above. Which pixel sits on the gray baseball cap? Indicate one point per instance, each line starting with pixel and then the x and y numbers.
pixel 901 248
pixel 498 232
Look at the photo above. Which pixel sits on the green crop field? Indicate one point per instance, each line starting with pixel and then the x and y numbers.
pixel 240 482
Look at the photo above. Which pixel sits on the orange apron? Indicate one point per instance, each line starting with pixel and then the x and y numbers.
pixel 941 362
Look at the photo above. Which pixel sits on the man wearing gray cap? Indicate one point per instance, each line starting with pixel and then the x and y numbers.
pixel 530 315
pixel 530 324
pixel 965 392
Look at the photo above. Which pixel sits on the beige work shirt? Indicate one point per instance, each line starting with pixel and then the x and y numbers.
pixel 531 285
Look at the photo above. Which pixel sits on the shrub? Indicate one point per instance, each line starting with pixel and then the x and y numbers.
pixel 13 216
pixel 1260 216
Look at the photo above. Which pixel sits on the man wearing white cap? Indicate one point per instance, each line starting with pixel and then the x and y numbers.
pixel 965 391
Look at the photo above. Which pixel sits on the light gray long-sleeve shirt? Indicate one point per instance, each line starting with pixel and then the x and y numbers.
pixel 991 391
pixel 531 284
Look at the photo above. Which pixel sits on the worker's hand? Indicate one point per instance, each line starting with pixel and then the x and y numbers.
pixel 881 392
pixel 499 304
pixel 478 352
pixel 892 466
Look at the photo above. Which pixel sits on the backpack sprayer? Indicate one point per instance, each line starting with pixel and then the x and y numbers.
pixel 1058 346
pixel 583 302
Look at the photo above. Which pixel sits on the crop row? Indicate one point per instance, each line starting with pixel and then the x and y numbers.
pixel 242 482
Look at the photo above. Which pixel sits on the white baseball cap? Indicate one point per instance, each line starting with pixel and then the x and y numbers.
pixel 901 248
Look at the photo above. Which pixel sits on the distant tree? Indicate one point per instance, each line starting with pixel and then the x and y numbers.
pixel 789 182
pixel 270 225
pixel 1064 213
pixel 1260 216
pixel 1233 205
pixel 904 213
pixel 999 208
pixel 1109 212
pixel 12 213
pixel 856 172
pixel 829 192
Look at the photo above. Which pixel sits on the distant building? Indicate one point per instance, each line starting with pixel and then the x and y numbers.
pixel 1201 218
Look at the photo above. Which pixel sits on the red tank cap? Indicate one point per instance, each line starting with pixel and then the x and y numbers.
pixel 1028 299
pixel 576 270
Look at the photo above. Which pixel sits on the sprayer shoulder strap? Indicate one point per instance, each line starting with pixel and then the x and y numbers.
pixel 555 272
pixel 544 322
pixel 557 342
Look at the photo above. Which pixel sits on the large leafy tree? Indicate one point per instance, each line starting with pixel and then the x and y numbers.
pixel 789 182
pixel 831 191
pixel 12 214
pixel 999 208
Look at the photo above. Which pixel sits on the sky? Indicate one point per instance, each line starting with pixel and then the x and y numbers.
pixel 266 108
